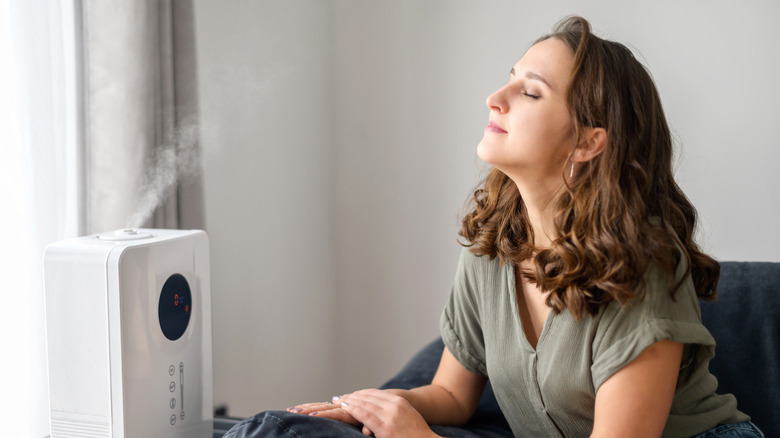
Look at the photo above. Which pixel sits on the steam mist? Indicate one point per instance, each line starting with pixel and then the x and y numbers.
pixel 176 160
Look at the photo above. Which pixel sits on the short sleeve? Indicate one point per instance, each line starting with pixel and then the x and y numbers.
pixel 461 328
pixel 624 332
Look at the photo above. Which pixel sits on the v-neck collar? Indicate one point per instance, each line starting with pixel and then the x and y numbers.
pixel 512 291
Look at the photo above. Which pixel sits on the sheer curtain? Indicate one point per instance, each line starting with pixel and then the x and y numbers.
pixel 39 186
pixel 97 129
pixel 142 150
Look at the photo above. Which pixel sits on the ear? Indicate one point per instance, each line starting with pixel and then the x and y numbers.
pixel 592 144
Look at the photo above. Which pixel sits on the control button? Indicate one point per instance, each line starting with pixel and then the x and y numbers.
pixel 173 419
pixel 173 403
pixel 171 370
pixel 126 234
pixel 172 386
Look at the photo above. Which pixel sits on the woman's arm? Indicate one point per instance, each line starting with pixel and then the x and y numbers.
pixel 450 399
pixel 636 400
pixel 453 395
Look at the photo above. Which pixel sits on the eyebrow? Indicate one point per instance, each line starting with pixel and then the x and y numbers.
pixel 532 75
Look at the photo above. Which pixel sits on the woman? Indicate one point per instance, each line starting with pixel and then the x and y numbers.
pixel 577 291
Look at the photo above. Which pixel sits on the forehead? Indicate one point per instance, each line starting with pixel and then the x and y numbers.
pixel 552 59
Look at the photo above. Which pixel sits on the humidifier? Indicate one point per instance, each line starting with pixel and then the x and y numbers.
pixel 128 317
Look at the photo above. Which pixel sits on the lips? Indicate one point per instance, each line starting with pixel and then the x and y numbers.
pixel 493 127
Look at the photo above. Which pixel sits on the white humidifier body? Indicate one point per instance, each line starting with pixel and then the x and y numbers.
pixel 128 317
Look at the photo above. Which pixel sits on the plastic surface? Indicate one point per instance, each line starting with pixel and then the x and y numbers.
pixel 112 370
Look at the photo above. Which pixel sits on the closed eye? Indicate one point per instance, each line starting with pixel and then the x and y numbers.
pixel 532 96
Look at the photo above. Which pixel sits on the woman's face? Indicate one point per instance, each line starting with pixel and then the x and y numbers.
pixel 530 135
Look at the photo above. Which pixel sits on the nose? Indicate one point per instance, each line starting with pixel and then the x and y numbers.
pixel 497 101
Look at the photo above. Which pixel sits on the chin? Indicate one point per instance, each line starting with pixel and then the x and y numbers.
pixel 484 153
pixel 491 155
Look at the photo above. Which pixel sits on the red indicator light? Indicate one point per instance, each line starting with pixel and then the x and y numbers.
pixel 176 300
pixel 187 308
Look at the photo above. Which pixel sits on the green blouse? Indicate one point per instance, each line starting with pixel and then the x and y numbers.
pixel 550 391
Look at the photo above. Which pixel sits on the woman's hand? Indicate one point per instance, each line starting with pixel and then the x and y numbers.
pixel 450 399
pixel 385 414
pixel 325 410
pixel 385 410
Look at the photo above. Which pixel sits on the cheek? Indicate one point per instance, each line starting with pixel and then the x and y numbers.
pixel 552 125
pixel 533 134
pixel 560 132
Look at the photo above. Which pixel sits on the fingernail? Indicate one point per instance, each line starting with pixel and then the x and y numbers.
pixel 294 409
pixel 336 398
pixel 344 404
pixel 314 413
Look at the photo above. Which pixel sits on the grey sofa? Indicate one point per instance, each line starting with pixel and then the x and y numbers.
pixel 745 322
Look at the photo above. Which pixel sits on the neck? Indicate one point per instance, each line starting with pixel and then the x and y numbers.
pixel 537 198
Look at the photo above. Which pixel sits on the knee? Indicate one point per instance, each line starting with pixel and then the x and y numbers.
pixel 265 424
pixel 283 424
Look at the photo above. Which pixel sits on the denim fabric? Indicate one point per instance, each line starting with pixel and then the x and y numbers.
pixel 737 430
pixel 283 424
pixel 272 424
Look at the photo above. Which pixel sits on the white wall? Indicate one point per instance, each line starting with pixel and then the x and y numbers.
pixel 269 169
pixel 341 139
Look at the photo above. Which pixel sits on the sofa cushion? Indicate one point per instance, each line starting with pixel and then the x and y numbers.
pixel 745 321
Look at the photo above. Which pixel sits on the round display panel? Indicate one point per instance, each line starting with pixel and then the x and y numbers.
pixel 175 307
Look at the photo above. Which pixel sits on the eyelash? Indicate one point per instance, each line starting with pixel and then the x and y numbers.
pixel 532 96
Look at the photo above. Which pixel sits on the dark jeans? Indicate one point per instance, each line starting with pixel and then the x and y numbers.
pixel 738 430
pixel 271 424
pixel 283 424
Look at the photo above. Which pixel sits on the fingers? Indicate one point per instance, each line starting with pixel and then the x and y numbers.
pixel 309 408
pixel 376 412
pixel 368 407
pixel 337 414
pixel 366 404
pixel 384 413
pixel 372 398
pixel 324 410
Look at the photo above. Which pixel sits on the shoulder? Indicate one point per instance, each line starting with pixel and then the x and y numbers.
pixel 654 300
pixel 472 259
pixel 478 267
pixel 624 331
pixel 656 312
pixel 661 302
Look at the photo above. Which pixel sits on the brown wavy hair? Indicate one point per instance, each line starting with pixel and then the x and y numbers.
pixel 621 213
